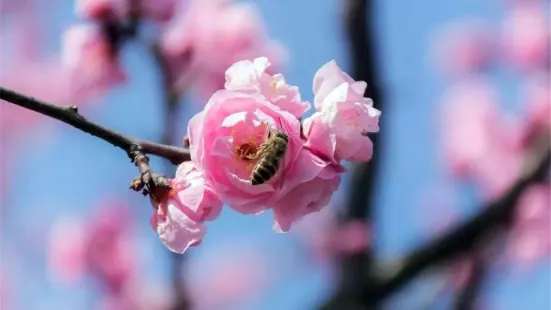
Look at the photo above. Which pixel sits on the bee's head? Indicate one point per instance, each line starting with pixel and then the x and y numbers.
pixel 282 135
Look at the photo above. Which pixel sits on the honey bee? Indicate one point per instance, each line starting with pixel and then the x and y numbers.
pixel 270 155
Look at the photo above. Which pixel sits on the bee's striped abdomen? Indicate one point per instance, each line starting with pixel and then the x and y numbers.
pixel 269 162
pixel 264 170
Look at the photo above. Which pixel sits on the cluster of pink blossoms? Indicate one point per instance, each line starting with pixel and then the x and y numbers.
pixel 199 40
pixel 237 119
pixel 206 37
pixel 103 246
pixel 489 147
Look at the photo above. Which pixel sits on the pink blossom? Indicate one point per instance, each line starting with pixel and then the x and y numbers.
pixel 530 235
pixel 209 36
pixel 66 249
pixel 230 276
pixel 526 35
pixel 157 10
pixel 464 48
pixel 232 126
pixel 537 99
pixel 308 197
pixel 180 215
pixel 251 77
pixel 339 128
pixel 91 59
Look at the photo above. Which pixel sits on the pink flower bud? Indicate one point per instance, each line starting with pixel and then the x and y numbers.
pixel 251 77
pixel 339 128
pixel 90 57
pixel 180 215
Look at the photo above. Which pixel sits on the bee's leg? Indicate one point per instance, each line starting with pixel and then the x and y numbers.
pixel 258 152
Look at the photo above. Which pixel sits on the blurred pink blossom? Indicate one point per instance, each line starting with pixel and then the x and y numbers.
pixel 531 233
pixel 537 100
pixel 339 128
pixel 66 249
pixel 326 238
pixel 464 47
pixel 43 79
pixel 101 245
pixel 158 10
pixel 231 276
pixel 180 215
pixel 91 60
pixel 526 35
pixel 138 295
pixel 209 36
pixel 102 9
pixel 480 142
pixel 110 253
pixel 251 77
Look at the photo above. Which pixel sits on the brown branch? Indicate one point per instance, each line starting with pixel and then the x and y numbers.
pixel 171 99
pixel 497 214
pixel 70 116
pixel 363 188
pixel 136 149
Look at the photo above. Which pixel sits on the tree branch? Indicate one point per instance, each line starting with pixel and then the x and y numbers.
pixel 69 115
pixel 136 149
pixel 171 99
pixel 496 214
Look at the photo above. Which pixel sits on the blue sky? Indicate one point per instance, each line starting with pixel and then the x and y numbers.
pixel 312 31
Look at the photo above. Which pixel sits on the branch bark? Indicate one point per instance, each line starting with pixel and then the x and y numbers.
pixel 69 115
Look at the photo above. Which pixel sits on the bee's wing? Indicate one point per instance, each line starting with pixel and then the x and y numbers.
pixel 262 149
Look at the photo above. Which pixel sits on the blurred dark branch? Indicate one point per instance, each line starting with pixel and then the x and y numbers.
pixel 497 214
pixel 69 115
pixel 468 296
pixel 171 99
pixel 361 33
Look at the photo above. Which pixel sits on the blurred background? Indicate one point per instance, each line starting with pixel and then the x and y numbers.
pixel 462 86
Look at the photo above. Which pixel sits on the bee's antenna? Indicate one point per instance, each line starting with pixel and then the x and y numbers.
pixel 281 125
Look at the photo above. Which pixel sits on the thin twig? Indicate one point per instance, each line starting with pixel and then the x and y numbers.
pixel 69 115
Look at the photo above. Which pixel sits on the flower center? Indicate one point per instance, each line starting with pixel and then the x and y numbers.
pixel 246 151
